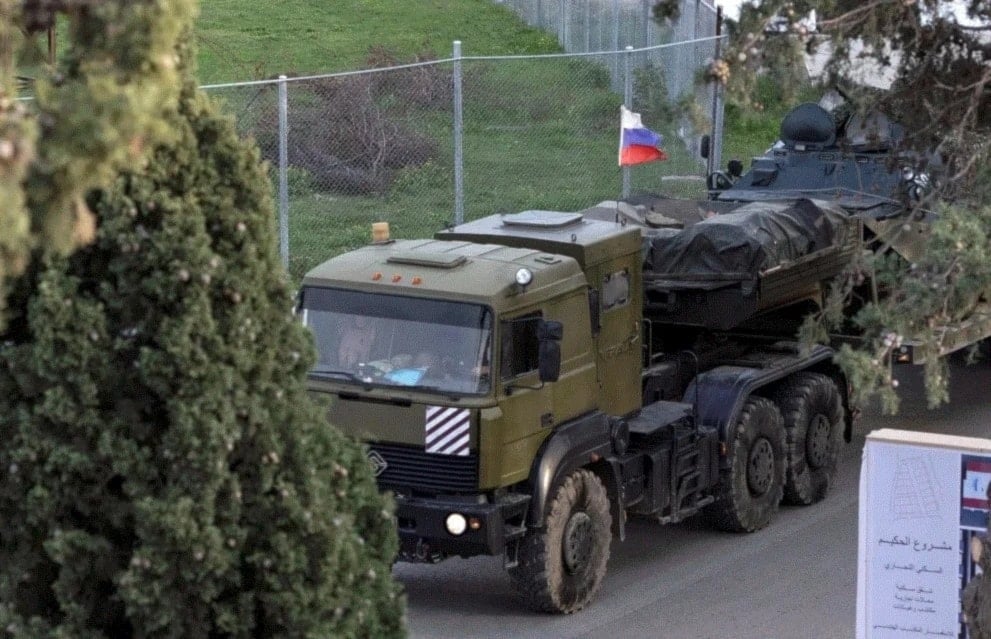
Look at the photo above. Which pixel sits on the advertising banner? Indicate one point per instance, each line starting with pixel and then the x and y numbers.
pixel 922 498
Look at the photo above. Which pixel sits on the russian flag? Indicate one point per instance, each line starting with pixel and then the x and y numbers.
pixel 637 143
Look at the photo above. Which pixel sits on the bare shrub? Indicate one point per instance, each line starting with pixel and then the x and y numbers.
pixel 349 132
pixel 428 86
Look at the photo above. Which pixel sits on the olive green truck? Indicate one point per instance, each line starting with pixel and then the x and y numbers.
pixel 525 383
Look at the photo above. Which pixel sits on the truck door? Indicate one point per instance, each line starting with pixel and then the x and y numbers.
pixel 619 350
pixel 526 405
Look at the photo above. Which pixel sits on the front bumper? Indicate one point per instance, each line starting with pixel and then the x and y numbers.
pixel 423 536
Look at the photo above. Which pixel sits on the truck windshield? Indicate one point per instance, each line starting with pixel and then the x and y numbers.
pixel 391 340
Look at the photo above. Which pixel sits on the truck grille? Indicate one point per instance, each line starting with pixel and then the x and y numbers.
pixel 412 468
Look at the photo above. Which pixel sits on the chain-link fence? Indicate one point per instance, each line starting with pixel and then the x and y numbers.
pixel 589 26
pixel 586 26
pixel 428 144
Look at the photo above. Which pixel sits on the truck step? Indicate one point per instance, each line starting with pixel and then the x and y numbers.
pixel 687 461
pixel 511 532
pixel 689 487
pixel 687 480
pixel 685 513
pixel 654 418
pixel 513 527
pixel 514 537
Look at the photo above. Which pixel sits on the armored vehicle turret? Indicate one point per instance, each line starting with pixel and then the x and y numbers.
pixel 855 161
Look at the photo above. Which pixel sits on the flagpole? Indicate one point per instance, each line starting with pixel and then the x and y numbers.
pixel 628 101
pixel 459 160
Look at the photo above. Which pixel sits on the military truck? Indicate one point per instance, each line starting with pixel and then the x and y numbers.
pixel 525 383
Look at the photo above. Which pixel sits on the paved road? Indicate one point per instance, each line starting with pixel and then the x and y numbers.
pixel 794 579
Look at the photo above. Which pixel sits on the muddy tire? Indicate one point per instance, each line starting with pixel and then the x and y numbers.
pixel 561 566
pixel 812 410
pixel 750 489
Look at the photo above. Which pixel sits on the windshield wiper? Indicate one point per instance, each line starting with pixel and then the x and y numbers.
pixel 328 371
pixel 431 389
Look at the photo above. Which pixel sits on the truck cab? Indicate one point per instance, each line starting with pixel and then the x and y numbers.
pixel 454 360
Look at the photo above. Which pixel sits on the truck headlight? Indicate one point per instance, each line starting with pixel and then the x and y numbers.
pixel 456 524
pixel 524 276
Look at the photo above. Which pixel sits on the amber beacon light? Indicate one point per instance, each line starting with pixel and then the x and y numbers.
pixel 380 232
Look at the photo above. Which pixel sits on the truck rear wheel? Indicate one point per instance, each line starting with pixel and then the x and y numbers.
pixel 750 489
pixel 561 567
pixel 813 417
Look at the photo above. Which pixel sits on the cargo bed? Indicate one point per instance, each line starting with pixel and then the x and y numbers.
pixel 719 269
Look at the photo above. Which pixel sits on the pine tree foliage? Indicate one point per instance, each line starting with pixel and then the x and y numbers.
pixel 100 111
pixel 939 57
pixel 163 472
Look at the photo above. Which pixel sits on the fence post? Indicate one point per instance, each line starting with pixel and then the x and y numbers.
pixel 459 176
pixel 615 34
pixel 563 21
pixel 647 30
pixel 588 26
pixel 628 101
pixel 283 172
pixel 615 25
pixel 716 141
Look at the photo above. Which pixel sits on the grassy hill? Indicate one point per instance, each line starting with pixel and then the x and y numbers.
pixel 537 134
pixel 242 40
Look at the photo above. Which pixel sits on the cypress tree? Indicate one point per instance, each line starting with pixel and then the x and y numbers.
pixel 163 472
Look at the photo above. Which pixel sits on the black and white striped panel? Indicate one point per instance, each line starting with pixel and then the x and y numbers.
pixel 447 430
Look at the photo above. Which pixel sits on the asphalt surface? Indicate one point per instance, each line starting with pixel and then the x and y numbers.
pixel 795 579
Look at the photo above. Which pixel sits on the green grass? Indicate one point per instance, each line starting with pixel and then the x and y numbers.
pixel 535 122
pixel 750 131
pixel 240 40
pixel 538 134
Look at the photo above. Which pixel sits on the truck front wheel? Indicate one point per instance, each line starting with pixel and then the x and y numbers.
pixel 750 489
pixel 561 566
pixel 813 415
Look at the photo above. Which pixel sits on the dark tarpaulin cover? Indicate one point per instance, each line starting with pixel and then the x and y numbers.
pixel 741 245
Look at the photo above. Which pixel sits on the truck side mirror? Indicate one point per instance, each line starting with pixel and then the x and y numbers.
pixel 704 144
pixel 735 168
pixel 549 335
pixel 719 181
